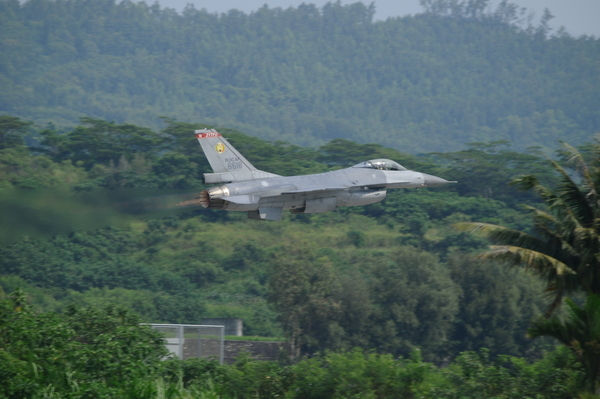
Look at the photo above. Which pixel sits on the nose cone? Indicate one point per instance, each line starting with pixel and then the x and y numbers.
pixel 432 181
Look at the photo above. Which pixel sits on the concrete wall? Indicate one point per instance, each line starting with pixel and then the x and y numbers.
pixel 259 350
pixel 233 326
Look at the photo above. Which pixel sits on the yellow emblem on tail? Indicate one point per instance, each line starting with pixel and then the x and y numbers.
pixel 220 147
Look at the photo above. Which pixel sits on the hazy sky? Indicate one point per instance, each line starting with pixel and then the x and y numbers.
pixel 579 17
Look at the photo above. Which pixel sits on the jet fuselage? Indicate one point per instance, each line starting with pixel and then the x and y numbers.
pixel 265 195
pixel 353 186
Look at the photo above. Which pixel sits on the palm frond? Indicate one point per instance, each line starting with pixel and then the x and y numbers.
pixel 564 249
pixel 554 292
pixel 545 223
pixel 538 262
pixel 541 214
pixel 580 327
pixel 571 200
pixel 531 182
pixel 502 235
pixel 563 241
pixel 587 240
pixel 577 204
pixel 526 182
pixel 575 158
pixel 550 327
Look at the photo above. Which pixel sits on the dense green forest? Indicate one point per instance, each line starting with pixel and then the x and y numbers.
pixel 380 295
pixel 88 217
pixel 85 352
pixel 459 72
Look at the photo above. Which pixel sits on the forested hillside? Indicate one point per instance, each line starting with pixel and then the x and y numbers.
pixel 457 73
pixel 86 220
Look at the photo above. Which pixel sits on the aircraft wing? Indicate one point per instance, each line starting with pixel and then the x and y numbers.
pixel 277 190
pixel 253 199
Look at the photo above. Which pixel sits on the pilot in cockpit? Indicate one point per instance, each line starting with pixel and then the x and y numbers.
pixel 380 164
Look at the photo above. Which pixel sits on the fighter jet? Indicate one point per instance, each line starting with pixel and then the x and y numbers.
pixel 265 195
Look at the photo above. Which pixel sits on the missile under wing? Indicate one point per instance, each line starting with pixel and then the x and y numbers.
pixel 265 195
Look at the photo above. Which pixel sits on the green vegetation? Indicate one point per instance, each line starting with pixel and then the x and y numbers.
pixel 580 333
pixel 459 72
pixel 373 299
pixel 389 277
pixel 563 250
pixel 104 352
pixel 82 352
pixel 378 301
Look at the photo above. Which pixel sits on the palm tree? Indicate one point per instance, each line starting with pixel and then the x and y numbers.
pixel 565 247
pixel 580 332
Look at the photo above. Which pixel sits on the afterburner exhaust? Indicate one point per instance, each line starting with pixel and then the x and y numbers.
pixel 210 198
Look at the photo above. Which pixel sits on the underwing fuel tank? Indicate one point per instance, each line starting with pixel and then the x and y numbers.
pixel 359 198
pixel 342 198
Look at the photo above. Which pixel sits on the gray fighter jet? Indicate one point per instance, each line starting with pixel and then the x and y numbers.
pixel 265 195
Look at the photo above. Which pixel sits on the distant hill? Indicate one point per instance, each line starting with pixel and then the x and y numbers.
pixel 306 75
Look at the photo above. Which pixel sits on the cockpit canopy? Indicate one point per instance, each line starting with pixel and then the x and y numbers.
pixel 381 164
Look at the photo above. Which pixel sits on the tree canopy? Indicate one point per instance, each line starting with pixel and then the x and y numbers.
pixel 89 219
pixel 459 72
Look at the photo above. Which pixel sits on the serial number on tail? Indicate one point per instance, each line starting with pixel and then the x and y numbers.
pixel 234 163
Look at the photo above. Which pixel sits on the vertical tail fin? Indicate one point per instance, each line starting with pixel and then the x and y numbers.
pixel 221 155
